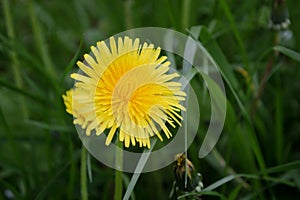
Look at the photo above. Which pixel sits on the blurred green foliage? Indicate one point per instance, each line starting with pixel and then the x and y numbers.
pixel 40 42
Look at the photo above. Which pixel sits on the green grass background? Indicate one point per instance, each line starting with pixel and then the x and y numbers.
pixel 258 152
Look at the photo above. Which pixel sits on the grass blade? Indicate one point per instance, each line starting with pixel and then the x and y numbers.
pixel 43 193
pixel 23 92
pixel 236 33
pixel 288 52
pixel 139 169
pixel 224 67
pixel 71 64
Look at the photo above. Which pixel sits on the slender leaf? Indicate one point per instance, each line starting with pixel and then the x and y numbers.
pixel 25 93
pixel 288 52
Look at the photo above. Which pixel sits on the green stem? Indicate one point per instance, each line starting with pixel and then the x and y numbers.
pixel 83 174
pixel 128 14
pixel 13 54
pixel 40 40
pixel 42 48
pixel 11 140
pixel 229 170
pixel 11 35
pixel 72 173
pixel 229 15
pixel 279 136
pixel 119 168
pixel 169 8
pixel 185 14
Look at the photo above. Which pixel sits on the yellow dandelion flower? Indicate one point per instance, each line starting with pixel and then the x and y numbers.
pixel 126 87
pixel 68 98
pixel 71 108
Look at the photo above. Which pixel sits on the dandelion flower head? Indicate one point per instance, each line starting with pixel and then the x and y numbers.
pixel 125 88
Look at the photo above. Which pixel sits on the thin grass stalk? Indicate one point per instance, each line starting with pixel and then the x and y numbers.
pixel 236 33
pixel 72 173
pixel 83 175
pixel 13 55
pixel 185 14
pixel 279 137
pixel 229 170
pixel 40 40
pixel 118 172
pixel 11 140
pixel 44 53
pixel 171 15
pixel 138 170
pixel 128 14
pixel 49 68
